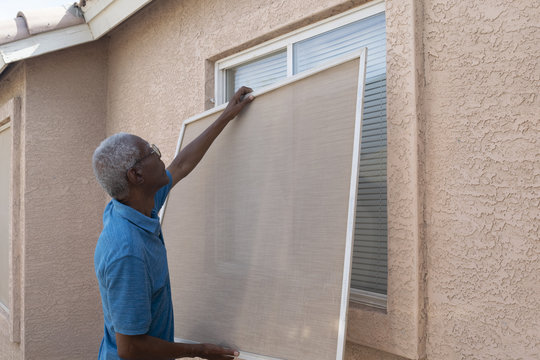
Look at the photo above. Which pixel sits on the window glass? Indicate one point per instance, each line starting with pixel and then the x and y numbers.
pixel 369 32
pixel 5 174
pixel 258 73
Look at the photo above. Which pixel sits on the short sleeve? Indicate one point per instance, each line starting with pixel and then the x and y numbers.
pixel 162 193
pixel 129 296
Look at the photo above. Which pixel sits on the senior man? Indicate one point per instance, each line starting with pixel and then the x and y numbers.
pixel 130 258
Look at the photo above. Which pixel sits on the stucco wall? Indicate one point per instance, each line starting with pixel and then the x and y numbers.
pixel 482 109
pixel 12 84
pixel 65 114
pixel 354 351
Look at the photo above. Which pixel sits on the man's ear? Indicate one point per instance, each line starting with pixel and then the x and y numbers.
pixel 134 176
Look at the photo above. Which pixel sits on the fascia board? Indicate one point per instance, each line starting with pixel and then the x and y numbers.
pixel 44 43
pixel 112 14
pixel 92 9
pixel 3 64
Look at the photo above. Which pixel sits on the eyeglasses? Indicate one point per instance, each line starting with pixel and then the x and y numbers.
pixel 154 150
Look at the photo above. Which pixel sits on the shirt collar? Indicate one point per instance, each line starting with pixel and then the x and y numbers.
pixel 150 224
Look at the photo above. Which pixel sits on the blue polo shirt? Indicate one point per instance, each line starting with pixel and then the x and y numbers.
pixel 131 267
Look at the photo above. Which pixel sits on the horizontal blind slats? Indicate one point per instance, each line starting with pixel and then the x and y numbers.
pixel 261 72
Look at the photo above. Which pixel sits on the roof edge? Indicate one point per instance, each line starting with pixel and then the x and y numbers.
pixel 105 15
pixel 100 16
pixel 92 8
pixel 3 64
pixel 44 43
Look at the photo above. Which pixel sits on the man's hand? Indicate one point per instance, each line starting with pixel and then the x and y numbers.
pixel 190 156
pixel 237 103
pixel 146 347
pixel 215 352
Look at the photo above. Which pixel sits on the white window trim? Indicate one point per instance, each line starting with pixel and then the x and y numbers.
pixel 368 298
pixel 286 41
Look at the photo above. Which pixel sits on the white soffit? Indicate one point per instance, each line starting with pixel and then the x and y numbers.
pixel 260 235
pixel 43 43
pixel 101 16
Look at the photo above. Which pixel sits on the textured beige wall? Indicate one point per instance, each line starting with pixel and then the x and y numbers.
pixel 12 84
pixel 354 351
pixel 482 109
pixel 65 114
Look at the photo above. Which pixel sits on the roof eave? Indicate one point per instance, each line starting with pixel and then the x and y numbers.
pixel 104 15
pixel 44 43
pixel 3 64
pixel 101 17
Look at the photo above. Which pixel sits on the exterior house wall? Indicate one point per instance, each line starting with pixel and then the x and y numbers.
pixel 482 178
pixel 64 121
pixel 463 190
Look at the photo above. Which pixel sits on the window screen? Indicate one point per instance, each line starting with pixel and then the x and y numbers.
pixel 370 248
pixel 5 174
pixel 250 227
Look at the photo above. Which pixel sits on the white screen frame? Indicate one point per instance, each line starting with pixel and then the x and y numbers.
pixel 355 163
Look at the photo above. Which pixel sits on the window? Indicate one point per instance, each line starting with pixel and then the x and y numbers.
pixel 303 50
pixel 5 217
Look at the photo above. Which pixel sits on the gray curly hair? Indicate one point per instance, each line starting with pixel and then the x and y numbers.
pixel 112 159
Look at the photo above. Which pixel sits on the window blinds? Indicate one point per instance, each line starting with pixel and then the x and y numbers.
pixel 259 73
pixel 370 247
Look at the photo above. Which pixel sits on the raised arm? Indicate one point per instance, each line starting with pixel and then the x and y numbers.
pixel 189 157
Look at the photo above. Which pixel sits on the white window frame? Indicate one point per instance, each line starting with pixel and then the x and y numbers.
pixel 286 42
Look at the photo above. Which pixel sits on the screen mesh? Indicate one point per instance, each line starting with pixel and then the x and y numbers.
pixel 256 234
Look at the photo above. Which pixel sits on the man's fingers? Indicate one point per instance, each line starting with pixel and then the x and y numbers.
pixel 244 90
pixel 247 98
pixel 242 93
pixel 219 351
